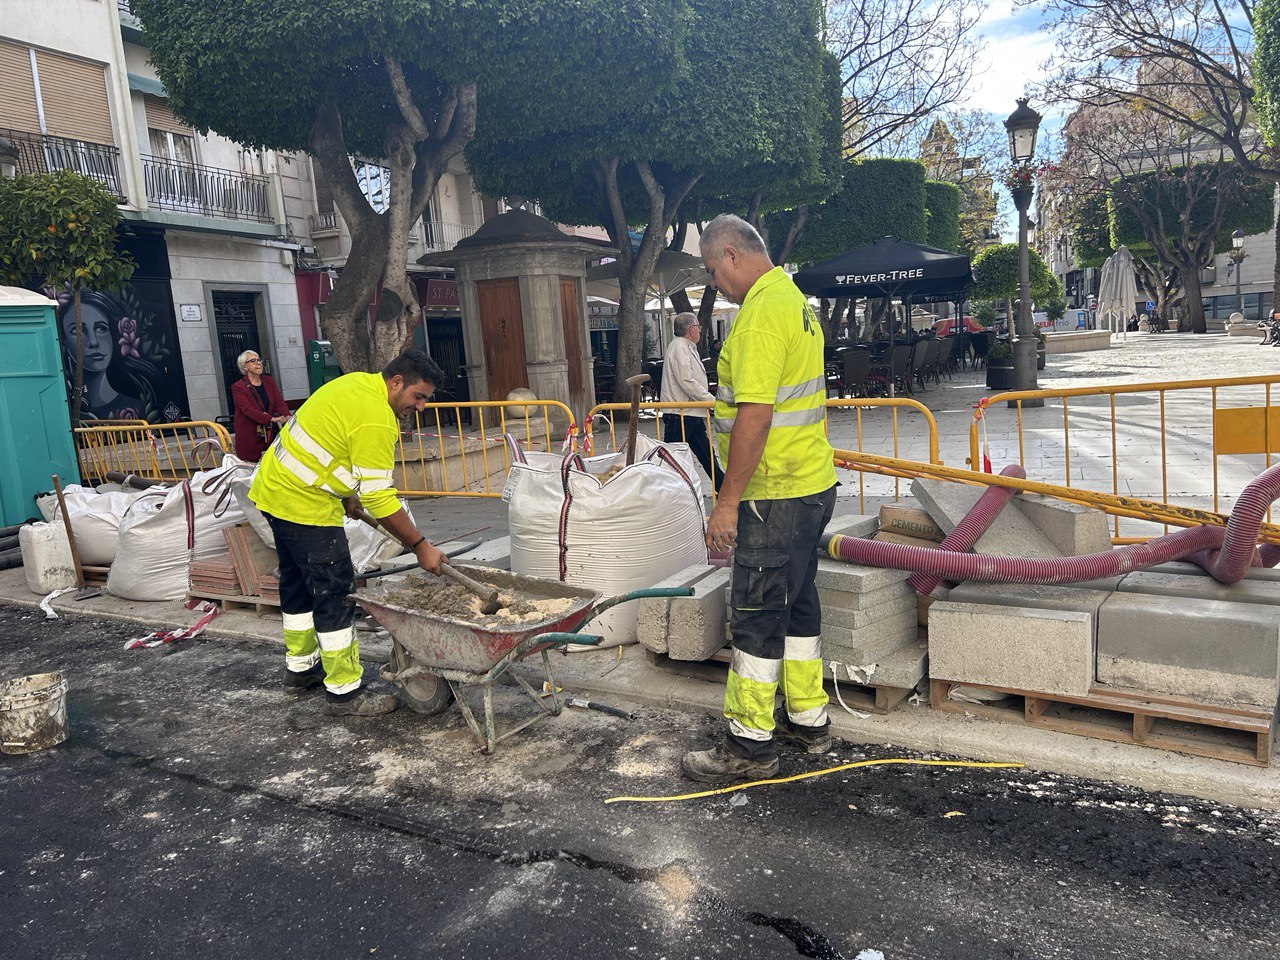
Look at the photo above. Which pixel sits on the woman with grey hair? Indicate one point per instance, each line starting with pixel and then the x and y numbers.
pixel 259 408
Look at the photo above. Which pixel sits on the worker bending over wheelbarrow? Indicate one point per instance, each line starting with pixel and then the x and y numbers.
pixel 778 494
pixel 340 445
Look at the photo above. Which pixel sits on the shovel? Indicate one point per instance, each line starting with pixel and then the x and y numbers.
pixel 82 591
pixel 635 383
pixel 487 594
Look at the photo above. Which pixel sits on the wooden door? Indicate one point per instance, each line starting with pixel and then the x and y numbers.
pixel 502 331
pixel 572 336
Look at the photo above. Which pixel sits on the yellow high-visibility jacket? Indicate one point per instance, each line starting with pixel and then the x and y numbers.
pixel 342 441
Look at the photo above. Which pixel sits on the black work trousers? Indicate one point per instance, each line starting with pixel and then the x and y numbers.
pixel 677 428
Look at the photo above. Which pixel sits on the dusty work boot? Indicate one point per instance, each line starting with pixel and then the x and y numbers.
pixel 300 681
pixel 359 703
pixel 808 739
pixel 720 765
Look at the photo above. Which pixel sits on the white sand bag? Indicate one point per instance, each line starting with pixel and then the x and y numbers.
pixel 95 520
pixel 579 521
pixel 157 537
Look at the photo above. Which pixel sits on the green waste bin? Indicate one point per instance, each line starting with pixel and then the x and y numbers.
pixel 35 425
pixel 321 364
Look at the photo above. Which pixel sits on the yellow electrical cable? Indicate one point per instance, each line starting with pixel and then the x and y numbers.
pixel 814 773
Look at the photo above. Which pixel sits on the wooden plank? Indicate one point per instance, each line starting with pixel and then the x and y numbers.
pixel 1142 726
pixel 1123 693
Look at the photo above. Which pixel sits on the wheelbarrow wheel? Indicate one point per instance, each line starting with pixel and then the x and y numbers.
pixel 426 695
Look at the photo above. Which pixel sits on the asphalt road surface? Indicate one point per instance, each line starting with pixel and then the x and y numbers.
pixel 198 811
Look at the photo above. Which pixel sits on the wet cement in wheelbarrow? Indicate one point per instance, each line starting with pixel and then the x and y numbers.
pixel 450 600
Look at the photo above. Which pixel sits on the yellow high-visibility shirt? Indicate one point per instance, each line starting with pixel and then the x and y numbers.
pixel 341 441
pixel 774 354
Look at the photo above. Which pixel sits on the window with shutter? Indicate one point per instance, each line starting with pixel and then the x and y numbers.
pixel 18 109
pixel 160 117
pixel 74 96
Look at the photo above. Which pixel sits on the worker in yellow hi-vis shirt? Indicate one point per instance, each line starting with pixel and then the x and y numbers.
pixel 339 446
pixel 778 494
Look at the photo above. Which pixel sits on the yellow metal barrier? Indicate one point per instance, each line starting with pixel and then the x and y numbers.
pixel 858 405
pixel 459 450
pixel 1112 504
pixel 1213 425
pixel 158 451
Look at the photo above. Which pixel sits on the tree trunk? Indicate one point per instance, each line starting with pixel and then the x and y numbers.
pixel 706 311
pixel 1275 278
pixel 794 228
pixel 77 396
pixel 1192 319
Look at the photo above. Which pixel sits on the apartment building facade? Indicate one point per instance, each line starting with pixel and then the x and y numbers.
pixel 236 249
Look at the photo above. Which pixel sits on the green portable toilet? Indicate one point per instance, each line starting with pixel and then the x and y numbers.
pixel 322 365
pixel 35 425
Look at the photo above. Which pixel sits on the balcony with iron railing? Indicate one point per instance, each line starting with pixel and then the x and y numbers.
pixel 439 235
pixel 208 191
pixel 126 7
pixel 40 153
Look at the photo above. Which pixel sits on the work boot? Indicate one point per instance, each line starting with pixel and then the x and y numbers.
pixel 300 681
pixel 359 703
pixel 719 765
pixel 808 739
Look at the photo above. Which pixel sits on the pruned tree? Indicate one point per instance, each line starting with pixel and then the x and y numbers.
pixel 753 113
pixel 60 229
pixel 995 274
pixel 1206 67
pixel 394 82
pixel 1166 189
pixel 942 202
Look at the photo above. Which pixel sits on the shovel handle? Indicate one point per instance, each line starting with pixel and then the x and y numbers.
pixel 482 590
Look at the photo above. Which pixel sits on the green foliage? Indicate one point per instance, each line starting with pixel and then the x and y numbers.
pixel 257 71
pixel 755 109
pixel 61 228
pixel 1000 352
pixel 1055 308
pixel 1250 207
pixel 876 198
pixel 984 311
pixel 1091 222
pixel 996 274
pixel 1266 69
pixel 942 204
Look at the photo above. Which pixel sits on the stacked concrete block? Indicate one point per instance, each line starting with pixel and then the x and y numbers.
pixel 1016 648
pixel 1187 647
pixel 1249 590
pixel 1012 534
pixel 653 613
pixel 868 613
pixel 696 624
pixel 1074 529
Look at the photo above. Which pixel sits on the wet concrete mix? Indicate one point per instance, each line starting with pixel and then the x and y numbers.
pixel 451 600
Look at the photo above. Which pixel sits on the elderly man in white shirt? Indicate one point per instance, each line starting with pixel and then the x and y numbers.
pixel 684 380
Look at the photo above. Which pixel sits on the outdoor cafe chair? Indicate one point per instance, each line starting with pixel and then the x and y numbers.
pixel 921 356
pixel 857 369
pixel 946 348
pixel 981 344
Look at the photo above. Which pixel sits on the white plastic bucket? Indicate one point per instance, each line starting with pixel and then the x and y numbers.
pixel 33 713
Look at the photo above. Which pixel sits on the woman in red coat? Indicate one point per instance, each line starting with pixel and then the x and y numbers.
pixel 259 408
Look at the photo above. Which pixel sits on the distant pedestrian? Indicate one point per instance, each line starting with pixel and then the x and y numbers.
pixel 259 408
pixel 684 380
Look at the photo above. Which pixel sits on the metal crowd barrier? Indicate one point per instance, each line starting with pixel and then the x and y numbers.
pixel 1111 438
pixel 157 451
pixel 458 449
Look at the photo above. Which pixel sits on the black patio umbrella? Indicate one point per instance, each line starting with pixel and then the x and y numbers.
pixel 891 267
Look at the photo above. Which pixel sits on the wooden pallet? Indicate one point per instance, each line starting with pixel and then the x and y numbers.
pixel 1239 734
pixel 859 696
pixel 238 601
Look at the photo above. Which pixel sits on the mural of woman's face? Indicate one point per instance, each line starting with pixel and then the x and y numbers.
pixel 97 337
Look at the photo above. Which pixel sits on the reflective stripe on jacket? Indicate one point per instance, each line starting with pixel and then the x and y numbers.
pixel 340 442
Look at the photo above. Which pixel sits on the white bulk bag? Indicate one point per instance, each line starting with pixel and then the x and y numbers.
pixel 154 546
pixel 95 520
pixel 640 526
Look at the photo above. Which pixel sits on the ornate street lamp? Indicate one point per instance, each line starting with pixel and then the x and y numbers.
pixel 8 160
pixel 1237 256
pixel 1022 126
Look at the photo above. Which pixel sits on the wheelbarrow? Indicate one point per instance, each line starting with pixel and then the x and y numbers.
pixel 434 656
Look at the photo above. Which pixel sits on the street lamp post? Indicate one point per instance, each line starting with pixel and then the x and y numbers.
pixel 1237 257
pixel 1022 126
pixel 8 160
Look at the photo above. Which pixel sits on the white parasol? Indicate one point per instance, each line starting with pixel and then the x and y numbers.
pixel 1117 291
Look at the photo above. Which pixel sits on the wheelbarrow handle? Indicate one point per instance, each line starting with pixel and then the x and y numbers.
pixel 646 593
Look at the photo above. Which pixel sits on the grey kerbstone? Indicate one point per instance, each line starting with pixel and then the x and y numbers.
pixel 1204 588
pixel 1189 647
pixel 1074 529
pixel 491 553
pixel 853 525
pixel 1195 570
pixel 695 625
pixel 651 615
pixel 1011 535
pixel 853 619
pixel 1033 595
pixel 1015 648
pixel 855 578
pixel 905 667
pixel 868 644
pixel 862 600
